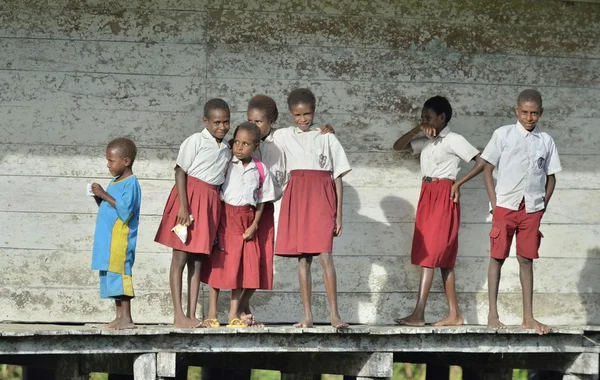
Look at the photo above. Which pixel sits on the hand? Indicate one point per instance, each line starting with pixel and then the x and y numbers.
pixel 98 190
pixel 183 216
pixel 493 208
pixel 337 231
pixel 327 128
pixel 455 193
pixel 250 232
pixel 428 130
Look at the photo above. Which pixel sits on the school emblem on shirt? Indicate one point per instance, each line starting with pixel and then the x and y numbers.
pixel 279 177
pixel 255 195
pixel 322 160
pixel 540 162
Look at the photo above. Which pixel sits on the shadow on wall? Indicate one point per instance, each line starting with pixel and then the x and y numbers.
pixel 589 287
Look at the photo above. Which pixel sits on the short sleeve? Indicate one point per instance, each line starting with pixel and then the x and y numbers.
pixel 339 160
pixel 493 150
pixel 462 148
pixel 268 188
pixel 417 145
pixel 279 138
pixel 128 200
pixel 188 151
pixel 553 165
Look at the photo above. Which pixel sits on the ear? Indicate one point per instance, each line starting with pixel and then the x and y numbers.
pixel 204 120
pixel 127 161
pixel 443 117
pixel 517 111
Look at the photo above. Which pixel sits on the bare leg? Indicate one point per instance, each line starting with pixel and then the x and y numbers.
pixel 125 322
pixel 194 264
pixel 454 317
pixel 526 275
pixel 305 279
pixel 175 281
pixel 494 273
pixel 330 279
pixel 417 318
pixel 245 311
pixel 213 301
pixel 234 305
pixel 117 317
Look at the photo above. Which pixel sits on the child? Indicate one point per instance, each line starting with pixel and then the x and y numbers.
pixel 435 241
pixel 311 208
pixel 527 161
pixel 199 172
pixel 116 230
pixel 235 262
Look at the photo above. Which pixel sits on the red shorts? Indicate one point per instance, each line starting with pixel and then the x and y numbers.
pixel 506 223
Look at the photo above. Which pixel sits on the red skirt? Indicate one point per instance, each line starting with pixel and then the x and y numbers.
pixel 266 241
pixel 234 262
pixel 435 241
pixel 307 214
pixel 205 206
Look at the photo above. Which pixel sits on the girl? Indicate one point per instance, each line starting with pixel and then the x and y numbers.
pixel 199 172
pixel 235 261
pixel 307 226
pixel 435 241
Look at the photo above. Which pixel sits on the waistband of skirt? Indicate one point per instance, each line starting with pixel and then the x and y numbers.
pixel 238 209
pixel 198 182
pixel 435 179
pixel 310 173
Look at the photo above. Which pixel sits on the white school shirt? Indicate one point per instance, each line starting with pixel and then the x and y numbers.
pixel 200 156
pixel 311 150
pixel 241 185
pixel 274 159
pixel 523 160
pixel 441 155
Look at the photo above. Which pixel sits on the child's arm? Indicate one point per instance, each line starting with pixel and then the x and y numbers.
pixel 404 141
pixel 99 192
pixel 98 200
pixel 251 231
pixel 550 185
pixel 339 191
pixel 475 170
pixel 488 179
pixel 183 215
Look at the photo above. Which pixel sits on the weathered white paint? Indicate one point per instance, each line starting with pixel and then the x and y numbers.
pixel 77 74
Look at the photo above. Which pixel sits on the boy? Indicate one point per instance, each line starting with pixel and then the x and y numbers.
pixel 527 161
pixel 116 230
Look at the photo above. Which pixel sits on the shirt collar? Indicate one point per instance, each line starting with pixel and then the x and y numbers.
pixel 236 161
pixel 297 130
pixel 206 134
pixel 524 131
pixel 269 137
pixel 444 132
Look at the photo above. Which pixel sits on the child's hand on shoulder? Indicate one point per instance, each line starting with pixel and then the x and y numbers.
pixel 98 190
pixel 428 130
pixel 250 232
pixel 327 128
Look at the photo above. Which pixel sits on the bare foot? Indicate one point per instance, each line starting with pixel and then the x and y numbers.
pixel 111 324
pixel 123 324
pixel 306 323
pixel 411 320
pixel 539 327
pixel 248 318
pixel 451 320
pixel 186 323
pixel 494 323
pixel 338 323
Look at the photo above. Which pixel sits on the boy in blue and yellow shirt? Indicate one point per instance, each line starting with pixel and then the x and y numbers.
pixel 116 230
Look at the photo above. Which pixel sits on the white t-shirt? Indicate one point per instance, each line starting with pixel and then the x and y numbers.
pixel 441 155
pixel 200 156
pixel 274 159
pixel 241 186
pixel 524 159
pixel 311 150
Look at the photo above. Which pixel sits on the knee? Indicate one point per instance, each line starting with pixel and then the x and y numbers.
pixel 326 260
pixel 524 261
pixel 179 259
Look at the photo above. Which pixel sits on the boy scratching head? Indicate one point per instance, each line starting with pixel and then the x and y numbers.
pixel 301 103
pixel 120 155
pixel 529 108
pixel 437 112
pixel 216 118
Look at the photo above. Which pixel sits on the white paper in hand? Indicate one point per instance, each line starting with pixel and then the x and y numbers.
pixel 89 190
pixel 181 230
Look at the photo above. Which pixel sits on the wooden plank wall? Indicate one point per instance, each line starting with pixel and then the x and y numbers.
pixel 76 73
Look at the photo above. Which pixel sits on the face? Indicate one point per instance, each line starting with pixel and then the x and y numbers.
pixel 115 164
pixel 302 115
pixel 259 118
pixel 428 116
pixel 529 113
pixel 218 123
pixel 243 145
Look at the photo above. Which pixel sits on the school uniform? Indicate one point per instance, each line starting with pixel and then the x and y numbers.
pixel 309 203
pixel 115 238
pixel 523 160
pixel 435 239
pixel 234 262
pixel 274 159
pixel 204 160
